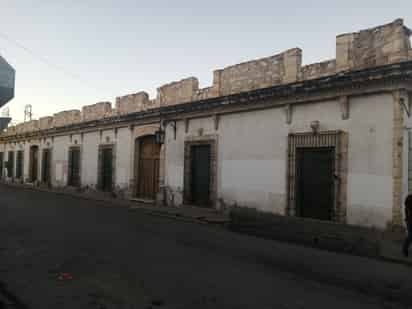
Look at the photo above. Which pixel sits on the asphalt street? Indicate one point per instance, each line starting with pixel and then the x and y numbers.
pixel 58 251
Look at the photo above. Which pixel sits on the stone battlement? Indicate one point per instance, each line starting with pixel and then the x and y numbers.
pixel 376 46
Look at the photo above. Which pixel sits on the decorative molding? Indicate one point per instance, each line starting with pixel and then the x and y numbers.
pixel 216 119
pixel 339 141
pixel 288 113
pixel 361 82
pixel 345 107
pixel 405 102
pixel 397 160
pixel 187 122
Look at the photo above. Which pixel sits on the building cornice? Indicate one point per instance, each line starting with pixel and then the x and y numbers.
pixel 360 82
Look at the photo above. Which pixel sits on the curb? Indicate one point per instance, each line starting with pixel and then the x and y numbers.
pixel 131 205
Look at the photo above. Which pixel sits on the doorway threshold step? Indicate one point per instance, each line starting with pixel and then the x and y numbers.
pixel 143 200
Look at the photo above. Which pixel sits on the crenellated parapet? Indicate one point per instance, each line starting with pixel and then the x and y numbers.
pixel 386 44
pixel 376 46
pixel 66 118
pixel 96 111
pixel 46 123
pixel 133 103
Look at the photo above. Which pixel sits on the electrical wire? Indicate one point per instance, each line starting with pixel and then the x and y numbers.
pixel 43 59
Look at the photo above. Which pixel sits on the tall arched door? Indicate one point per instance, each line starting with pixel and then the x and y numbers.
pixel 148 167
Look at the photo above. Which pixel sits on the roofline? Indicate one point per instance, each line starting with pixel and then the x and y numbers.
pixel 400 71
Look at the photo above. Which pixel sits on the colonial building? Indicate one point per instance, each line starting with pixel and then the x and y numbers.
pixel 328 141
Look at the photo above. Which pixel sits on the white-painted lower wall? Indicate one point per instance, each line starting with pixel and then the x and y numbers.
pixel 124 158
pixel 89 158
pixel 252 155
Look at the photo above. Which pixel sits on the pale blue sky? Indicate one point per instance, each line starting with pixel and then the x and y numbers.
pixel 123 46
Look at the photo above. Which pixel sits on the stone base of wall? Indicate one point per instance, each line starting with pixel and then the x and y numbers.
pixel 319 234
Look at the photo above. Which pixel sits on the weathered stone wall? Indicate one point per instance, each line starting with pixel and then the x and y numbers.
pixel 206 93
pixel 20 128
pixel 261 73
pixel 66 117
pixel 45 123
pixel 178 92
pixel 30 126
pixel 373 47
pixel 96 111
pixel 317 70
pixel 132 103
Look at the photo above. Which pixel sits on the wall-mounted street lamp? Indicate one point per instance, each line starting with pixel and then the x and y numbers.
pixel 160 134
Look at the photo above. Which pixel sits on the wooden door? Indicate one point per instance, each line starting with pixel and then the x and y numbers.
pixel 107 169
pixel 200 175
pixel 148 172
pixel 74 167
pixel 315 187
pixel 34 162
pixel 45 175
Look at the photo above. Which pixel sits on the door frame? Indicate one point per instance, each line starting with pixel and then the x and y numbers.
pixel 71 148
pixel 31 163
pixel 11 164
pixel 50 164
pixel 21 169
pixel 210 140
pixel 136 167
pixel 102 147
pixel 325 139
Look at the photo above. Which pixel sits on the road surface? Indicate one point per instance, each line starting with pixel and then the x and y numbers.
pixel 58 251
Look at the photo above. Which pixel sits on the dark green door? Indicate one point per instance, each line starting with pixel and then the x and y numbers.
pixel 200 175
pixel 74 167
pixel 315 187
pixel 107 169
pixel 19 164
pixel 10 164
pixel 45 172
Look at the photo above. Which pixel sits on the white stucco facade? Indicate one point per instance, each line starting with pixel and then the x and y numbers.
pixel 257 125
pixel 252 155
